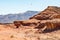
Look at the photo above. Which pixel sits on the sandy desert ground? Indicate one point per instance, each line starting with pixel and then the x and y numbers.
pixel 11 33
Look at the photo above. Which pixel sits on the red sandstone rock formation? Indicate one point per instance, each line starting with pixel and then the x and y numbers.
pixel 47 13
pixel 48 19
pixel 49 25
pixel 32 22
pixel 55 16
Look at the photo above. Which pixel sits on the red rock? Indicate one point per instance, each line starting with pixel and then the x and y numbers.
pixel 47 13
pixel 48 19
pixel 32 22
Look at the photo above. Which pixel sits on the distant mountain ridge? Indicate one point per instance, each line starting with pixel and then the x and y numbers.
pixel 9 18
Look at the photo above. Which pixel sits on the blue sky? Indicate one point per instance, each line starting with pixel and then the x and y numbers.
pixel 18 6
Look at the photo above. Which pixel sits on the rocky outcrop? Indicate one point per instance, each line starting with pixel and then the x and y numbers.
pixel 47 13
pixel 32 22
pixel 49 25
pixel 55 16
pixel 49 19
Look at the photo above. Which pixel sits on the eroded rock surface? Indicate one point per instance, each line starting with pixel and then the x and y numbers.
pixel 47 19
pixel 34 28
pixel 47 13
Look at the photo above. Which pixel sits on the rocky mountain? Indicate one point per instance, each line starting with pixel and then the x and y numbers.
pixel 42 26
pixel 49 19
pixel 48 13
pixel 21 16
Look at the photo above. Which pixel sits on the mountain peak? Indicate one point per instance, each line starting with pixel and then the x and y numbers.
pixel 9 18
pixel 53 7
pixel 48 12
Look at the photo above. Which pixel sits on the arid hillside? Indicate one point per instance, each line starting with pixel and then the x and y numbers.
pixel 43 26
pixel 48 13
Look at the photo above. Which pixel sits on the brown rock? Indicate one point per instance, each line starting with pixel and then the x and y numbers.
pixel 32 22
pixel 55 16
pixel 47 13
pixel 49 25
pixel 45 20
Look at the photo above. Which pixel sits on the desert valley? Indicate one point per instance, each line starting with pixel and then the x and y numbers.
pixel 42 26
